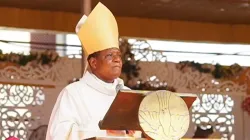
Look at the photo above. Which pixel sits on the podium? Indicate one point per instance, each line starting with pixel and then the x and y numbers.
pixel 123 113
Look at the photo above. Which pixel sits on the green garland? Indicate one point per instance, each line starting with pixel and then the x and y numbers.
pixel 45 58
pixel 218 71
pixel 130 68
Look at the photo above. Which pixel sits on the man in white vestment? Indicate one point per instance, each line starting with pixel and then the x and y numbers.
pixel 81 105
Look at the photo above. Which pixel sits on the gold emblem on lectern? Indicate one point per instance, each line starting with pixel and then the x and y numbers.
pixel 163 115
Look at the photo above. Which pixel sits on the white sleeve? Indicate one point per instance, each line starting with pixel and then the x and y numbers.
pixel 65 118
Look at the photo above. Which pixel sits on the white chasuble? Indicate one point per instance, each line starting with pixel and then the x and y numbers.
pixel 79 108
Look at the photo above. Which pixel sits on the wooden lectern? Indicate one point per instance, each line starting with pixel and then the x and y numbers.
pixel 123 112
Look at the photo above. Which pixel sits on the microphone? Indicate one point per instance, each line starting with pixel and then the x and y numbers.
pixel 119 87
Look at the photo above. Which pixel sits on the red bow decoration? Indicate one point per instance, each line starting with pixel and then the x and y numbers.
pixel 246 105
pixel 12 138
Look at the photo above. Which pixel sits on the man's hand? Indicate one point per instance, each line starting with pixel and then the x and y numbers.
pixel 131 133
pixel 116 133
pixel 120 133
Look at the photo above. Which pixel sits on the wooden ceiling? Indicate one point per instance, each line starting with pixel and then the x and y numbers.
pixel 215 11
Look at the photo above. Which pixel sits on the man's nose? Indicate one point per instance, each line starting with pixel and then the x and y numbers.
pixel 117 58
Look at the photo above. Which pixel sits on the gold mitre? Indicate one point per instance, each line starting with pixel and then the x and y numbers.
pixel 98 31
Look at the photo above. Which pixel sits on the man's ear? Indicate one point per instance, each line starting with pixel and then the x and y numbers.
pixel 92 63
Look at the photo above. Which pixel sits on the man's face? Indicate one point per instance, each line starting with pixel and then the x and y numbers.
pixel 107 65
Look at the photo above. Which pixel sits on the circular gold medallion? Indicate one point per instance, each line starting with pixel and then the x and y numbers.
pixel 163 115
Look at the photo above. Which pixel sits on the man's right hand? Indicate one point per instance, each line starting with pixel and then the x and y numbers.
pixel 116 133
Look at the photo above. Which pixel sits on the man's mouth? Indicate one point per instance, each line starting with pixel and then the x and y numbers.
pixel 117 67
